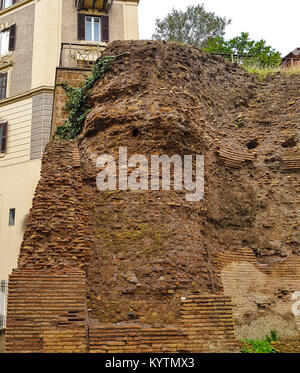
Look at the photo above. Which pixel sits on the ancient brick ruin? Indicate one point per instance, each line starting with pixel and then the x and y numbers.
pixel 147 271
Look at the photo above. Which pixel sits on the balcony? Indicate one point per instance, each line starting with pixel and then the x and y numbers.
pixel 80 56
pixel 100 5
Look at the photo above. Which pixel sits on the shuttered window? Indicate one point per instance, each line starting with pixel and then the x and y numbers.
pixel 3 85
pixel 3 137
pixel 7 40
pixel 12 38
pixel 92 28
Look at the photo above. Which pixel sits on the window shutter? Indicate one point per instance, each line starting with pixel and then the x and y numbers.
pixel 105 28
pixel 81 26
pixel 12 38
pixel 3 144
pixel 1 4
pixel 3 85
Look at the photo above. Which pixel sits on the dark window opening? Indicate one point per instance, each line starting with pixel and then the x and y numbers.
pixel 12 217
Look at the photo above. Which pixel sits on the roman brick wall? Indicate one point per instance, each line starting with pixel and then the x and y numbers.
pixel 241 242
pixel 206 326
pixel 136 339
pixel 58 244
pixel 46 311
pixel 58 233
pixel 287 345
pixel 208 322
pixel 47 300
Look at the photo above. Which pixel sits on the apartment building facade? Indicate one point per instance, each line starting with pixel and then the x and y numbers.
pixel 33 36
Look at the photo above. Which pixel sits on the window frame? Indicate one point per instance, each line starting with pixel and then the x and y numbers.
pixel 2 33
pixel 12 217
pixel 103 27
pixel 10 39
pixel 93 28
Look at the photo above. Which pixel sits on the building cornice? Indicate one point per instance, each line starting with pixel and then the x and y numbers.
pixel 28 94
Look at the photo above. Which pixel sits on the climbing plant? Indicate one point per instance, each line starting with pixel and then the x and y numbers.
pixel 77 99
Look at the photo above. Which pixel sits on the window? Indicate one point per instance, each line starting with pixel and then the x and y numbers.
pixel 12 217
pixel 7 40
pixel 3 293
pixel 92 28
pixel 4 42
pixel 3 137
pixel 3 85
pixel 7 3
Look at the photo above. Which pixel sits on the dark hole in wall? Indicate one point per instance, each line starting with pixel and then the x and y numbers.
pixel 290 143
pixel 252 144
pixel 135 132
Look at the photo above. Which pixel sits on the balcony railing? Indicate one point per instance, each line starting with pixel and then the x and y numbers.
pixel 80 56
pixel 101 5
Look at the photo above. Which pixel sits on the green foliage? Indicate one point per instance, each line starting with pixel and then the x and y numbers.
pixel 77 100
pixel 260 346
pixel 194 26
pixel 264 72
pixel 258 52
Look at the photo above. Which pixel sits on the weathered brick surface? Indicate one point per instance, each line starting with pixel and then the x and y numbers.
pixel 46 311
pixel 47 293
pixel 136 339
pixel 206 326
pixel 208 322
pixel 58 233
pixel 287 345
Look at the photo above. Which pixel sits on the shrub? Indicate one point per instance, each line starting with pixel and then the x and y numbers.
pixel 260 346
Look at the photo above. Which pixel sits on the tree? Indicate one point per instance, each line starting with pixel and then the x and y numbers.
pixel 194 26
pixel 257 51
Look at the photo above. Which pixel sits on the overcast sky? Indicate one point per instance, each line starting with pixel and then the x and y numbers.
pixel 278 22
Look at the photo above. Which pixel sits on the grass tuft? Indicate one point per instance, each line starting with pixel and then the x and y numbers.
pixel 263 73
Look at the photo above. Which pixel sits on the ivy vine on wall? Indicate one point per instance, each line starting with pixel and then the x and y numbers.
pixel 77 99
